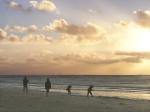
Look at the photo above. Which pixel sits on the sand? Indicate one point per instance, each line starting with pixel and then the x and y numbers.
pixel 13 100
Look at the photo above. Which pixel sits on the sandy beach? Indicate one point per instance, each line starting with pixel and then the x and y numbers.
pixel 14 100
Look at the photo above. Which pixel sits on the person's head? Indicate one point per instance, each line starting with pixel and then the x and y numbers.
pixel 25 77
pixel 91 86
pixel 47 79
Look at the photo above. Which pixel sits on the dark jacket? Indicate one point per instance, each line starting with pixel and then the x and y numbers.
pixel 47 85
pixel 25 81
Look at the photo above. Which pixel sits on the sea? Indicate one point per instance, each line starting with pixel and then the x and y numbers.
pixel 127 87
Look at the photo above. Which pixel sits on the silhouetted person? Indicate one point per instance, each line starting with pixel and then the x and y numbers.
pixel 47 86
pixel 89 91
pixel 25 84
pixel 69 89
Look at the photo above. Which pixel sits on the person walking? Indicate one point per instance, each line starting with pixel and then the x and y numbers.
pixel 89 91
pixel 25 84
pixel 68 89
pixel 47 86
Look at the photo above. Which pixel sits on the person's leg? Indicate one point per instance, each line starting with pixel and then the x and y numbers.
pixel 26 89
pixel 69 92
pixel 91 94
pixel 47 92
pixel 23 88
pixel 88 94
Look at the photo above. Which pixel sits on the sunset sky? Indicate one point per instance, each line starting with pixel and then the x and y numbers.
pixel 99 37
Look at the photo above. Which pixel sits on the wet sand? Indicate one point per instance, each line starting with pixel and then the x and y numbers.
pixel 14 100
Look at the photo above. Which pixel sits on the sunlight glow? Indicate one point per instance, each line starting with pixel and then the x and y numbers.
pixel 141 39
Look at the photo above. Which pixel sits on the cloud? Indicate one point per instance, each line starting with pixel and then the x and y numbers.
pixel 75 58
pixel 89 31
pixel 90 59
pixel 15 5
pixel 64 27
pixel 100 61
pixel 44 5
pixel 91 11
pixel 7 35
pixel 47 28
pixel 14 38
pixel 31 60
pixel 142 55
pixel 143 18
pixel 132 60
pixel 15 28
pixel 3 61
pixel 32 28
pixel 112 61
pixel 3 34
pixel 33 38
pixel 29 29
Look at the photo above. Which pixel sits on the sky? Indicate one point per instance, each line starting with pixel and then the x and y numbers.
pixel 75 37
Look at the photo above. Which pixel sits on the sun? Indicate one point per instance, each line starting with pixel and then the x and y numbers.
pixel 140 39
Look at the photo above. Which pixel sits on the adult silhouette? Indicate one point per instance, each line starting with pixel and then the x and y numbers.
pixel 25 84
pixel 47 86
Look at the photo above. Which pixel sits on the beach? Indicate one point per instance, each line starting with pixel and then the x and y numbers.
pixel 14 100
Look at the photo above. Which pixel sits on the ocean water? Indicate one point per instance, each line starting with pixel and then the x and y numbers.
pixel 129 87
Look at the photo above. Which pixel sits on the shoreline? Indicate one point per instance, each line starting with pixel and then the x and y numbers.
pixel 14 100
pixel 83 93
